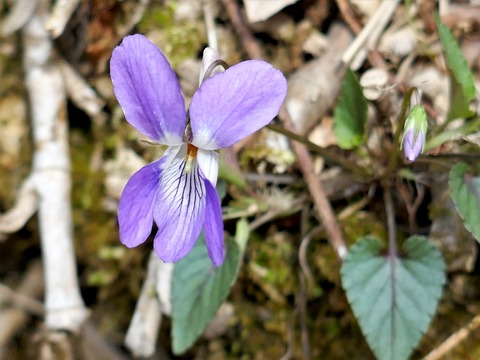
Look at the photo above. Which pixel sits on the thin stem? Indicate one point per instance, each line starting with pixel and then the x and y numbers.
pixel 320 151
pixel 392 162
pixel 463 157
pixel 303 291
pixel 390 213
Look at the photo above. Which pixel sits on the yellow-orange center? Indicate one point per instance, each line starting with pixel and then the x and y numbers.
pixel 191 151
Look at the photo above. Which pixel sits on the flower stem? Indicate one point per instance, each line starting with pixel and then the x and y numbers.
pixel 392 162
pixel 320 151
pixel 390 213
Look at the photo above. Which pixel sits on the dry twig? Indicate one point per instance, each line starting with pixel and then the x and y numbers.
pixel 18 17
pixel 371 31
pixel 210 23
pixel 61 13
pixel 65 308
pixel 142 333
pixel 348 16
pixel 25 206
pixel 13 319
pixel 454 340
pixel 80 92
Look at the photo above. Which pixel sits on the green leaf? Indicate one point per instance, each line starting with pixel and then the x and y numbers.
pixel 199 288
pixel 393 298
pixel 465 191
pixel 230 174
pixel 462 82
pixel 350 113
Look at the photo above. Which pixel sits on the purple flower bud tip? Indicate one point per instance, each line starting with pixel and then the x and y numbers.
pixel 412 147
pixel 415 130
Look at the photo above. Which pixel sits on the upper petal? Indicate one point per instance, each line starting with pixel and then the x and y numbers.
pixel 135 216
pixel 214 226
pixel 148 90
pixel 179 209
pixel 234 104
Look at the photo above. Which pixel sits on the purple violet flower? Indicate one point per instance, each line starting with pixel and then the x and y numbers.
pixel 178 191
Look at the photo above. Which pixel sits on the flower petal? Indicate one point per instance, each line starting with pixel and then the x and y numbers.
pixel 208 162
pixel 148 90
pixel 232 105
pixel 214 226
pixel 179 209
pixel 135 215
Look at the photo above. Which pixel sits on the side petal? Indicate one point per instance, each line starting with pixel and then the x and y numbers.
pixel 208 162
pixel 179 209
pixel 214 226
pixel 135 214
pixel 232 105
pixel 148 90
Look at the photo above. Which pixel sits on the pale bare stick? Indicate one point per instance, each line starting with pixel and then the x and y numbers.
pixel 454 340
pixel 374 27
pixel 13 318
pixel 142 333
pixel 210 24
pixel 80 92
pixel 22 301
pixel 21 12
pixel 61 13
pixel 64 307
pixel 25 206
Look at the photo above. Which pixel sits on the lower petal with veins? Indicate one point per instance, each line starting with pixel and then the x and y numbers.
pixel 179 209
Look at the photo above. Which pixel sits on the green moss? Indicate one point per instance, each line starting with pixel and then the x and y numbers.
pixel 178 40
pixel 363 223
pixel 272 266
pixel 260 324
